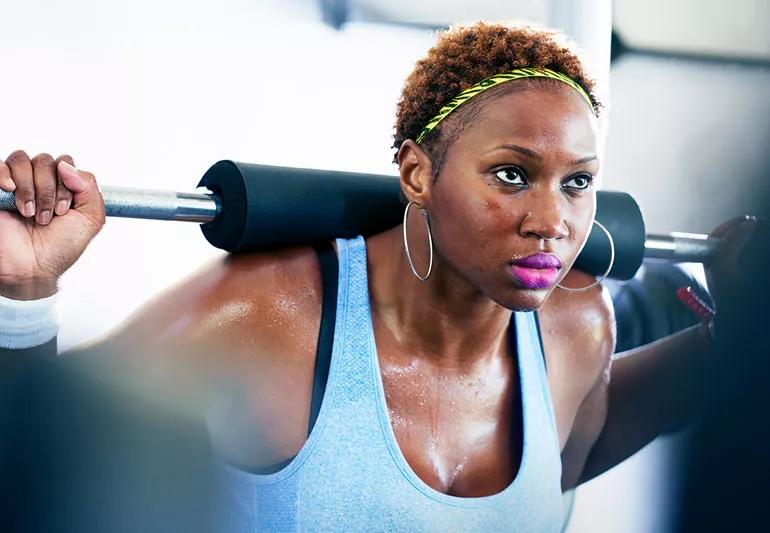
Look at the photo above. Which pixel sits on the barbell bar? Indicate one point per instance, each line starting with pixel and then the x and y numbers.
pixel 248 207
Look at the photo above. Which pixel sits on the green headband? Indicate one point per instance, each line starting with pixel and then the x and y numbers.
pixel 492 81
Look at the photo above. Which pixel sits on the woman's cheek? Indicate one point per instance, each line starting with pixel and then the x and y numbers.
pixel 462 229
pixel 579 229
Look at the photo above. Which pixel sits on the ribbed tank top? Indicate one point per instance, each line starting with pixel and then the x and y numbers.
pixel 351 475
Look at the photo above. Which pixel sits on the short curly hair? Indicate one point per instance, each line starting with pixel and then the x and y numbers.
pixel 467 54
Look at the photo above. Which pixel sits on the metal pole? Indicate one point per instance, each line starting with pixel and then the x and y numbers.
pixel 149 204
pixel 680 247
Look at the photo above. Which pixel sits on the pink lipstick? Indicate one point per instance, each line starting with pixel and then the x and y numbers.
pixel 537 271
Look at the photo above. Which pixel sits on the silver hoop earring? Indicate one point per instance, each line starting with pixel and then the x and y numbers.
pixel 612 263
pixel 430 243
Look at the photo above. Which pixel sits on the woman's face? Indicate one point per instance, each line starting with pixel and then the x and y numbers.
pixel 516 182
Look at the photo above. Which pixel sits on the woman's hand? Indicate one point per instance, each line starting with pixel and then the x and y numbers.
pixel 738 261
pixel 60 211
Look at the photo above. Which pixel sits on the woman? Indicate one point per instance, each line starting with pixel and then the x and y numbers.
pixel 438 411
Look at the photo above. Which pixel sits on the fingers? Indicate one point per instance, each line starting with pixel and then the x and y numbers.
pixel 63 194
pixel 6 182
pixel 735 235
pixel 21 171
pixel 45 179
pixel 86 198
pixel 729 225
pixel 45 187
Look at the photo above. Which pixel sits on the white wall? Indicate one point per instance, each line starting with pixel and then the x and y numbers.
pixel 689 140
pixel 738 28
pixel 150 94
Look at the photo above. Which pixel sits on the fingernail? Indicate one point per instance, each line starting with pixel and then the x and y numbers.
pixel 29 209
pixel 69 167
pixel 72 170
pixel 61 207
pixel 45 216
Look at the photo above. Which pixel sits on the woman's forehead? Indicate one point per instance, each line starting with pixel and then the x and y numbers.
pixel 544 119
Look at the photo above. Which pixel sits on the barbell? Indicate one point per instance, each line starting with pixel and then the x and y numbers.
pixel 249 207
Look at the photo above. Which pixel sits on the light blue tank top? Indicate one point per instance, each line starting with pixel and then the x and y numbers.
pixel 351 475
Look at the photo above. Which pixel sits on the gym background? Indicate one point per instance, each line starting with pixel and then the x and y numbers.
pixel 150 94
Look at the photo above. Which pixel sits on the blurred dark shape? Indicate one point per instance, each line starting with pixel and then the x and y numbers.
pixel 79 455
pixel 646 306
pixel 335 12
pixel 619 48
pixel 725 463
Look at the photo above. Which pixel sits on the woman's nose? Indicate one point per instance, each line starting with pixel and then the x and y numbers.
pixel 545 220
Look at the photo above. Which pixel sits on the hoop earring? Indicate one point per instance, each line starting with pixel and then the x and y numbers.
pixel 430 243
pixel 612 263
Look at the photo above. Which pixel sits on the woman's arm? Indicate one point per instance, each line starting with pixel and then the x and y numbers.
pixel 226 315
pixel 625 401
pixel 237 310
pixel 234 343
pixel 654 389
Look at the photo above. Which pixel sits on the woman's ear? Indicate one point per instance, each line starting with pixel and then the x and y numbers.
pixel 415 172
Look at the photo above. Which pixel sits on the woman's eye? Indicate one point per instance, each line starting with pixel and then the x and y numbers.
pixel 581 181
pixel 511 175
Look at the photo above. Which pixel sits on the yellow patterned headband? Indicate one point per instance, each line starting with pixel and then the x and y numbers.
pixel 492 81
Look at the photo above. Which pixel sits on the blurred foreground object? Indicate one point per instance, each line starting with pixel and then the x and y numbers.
pixel 77 455
pixel 725 483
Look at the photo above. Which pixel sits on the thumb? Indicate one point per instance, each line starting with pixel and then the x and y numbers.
pixel 734 234
pixel 741 237
pixel 755 251
pixel 86 195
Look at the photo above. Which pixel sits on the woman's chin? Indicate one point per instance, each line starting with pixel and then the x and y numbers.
pixel 523 300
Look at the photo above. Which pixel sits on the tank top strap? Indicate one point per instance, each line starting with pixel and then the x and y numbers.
pixel 536 392
pixel 354 337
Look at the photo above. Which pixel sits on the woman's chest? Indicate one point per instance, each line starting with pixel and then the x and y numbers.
pixel 463 434
pixel 460 432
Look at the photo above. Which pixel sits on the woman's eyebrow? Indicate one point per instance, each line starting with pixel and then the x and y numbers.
pixel 585 159
pixel 519 149
pixel 534 155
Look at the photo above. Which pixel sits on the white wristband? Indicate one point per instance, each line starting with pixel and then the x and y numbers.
pixel 28 323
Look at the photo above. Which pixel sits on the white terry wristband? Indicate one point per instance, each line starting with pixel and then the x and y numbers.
pixel 28 323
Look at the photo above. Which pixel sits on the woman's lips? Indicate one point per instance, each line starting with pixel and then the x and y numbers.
pixel 538 271
pixel 534 278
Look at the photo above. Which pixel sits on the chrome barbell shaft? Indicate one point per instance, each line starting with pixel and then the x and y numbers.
pixel 680 247
pixel 148 204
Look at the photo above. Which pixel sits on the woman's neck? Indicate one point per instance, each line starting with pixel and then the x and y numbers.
pixel 444 319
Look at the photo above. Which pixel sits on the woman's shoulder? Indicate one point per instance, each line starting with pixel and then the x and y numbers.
pixel 579 328
pixel 265 301
pixel 289 273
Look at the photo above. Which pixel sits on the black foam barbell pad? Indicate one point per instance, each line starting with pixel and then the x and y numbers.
pixel 267 206
pixel 620 214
